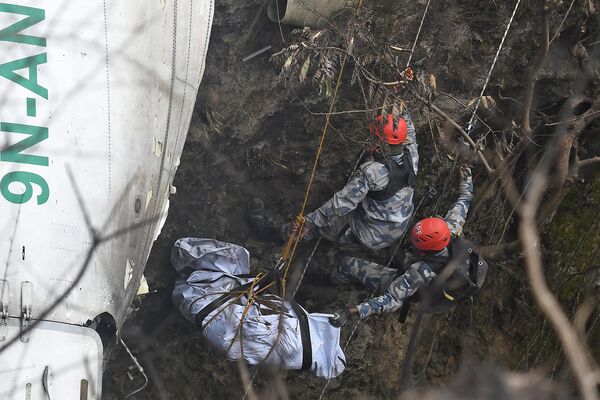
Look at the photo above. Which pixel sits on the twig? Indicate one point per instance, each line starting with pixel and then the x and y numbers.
pixel 588 161
pixel 245 376
pixel 533 76
pixel 464 134
pixel 562 22
pixel 573 347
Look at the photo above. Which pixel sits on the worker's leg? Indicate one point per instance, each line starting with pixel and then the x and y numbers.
pixel 370 274
pixel 335 228
pixel 263 228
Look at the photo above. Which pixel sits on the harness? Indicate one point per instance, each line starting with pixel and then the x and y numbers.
pixel 467 277
pixel 400 176
pixel 232 294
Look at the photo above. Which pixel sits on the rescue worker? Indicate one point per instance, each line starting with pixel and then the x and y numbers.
pixel 435 243
pixel 375 206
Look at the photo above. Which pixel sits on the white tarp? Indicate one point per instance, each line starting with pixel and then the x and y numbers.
pixel 208 269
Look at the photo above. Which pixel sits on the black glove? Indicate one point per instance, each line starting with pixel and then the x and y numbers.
pixel 340 318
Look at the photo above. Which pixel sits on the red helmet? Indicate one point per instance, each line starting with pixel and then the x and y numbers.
pixel 430 234
pixel 391 134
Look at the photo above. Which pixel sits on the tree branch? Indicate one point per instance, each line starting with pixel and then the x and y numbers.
pixel 534 74
pixel 500 251
pixel 464 134
pixel 573 346
pixel 587 162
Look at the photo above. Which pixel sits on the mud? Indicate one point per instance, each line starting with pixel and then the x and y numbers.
pixel 252 137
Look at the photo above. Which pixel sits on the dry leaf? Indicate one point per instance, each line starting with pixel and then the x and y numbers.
pixel 484 102
pixel 432 82
pixel 288 62
pixel 304 70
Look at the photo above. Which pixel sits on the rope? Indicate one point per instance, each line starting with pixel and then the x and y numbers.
pixel 418 34
pixel 374 290
pixel 306 266
pixel 250 384
pixel 345 347
pixel 294 239
pixel 292 243
pixel 489 75
pixel 430 193
pixel 356 164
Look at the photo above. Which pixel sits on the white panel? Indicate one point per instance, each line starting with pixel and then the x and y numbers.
pixel 57 356
pixel 122 78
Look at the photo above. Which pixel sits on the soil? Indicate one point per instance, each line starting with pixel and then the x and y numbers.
pixel 253 137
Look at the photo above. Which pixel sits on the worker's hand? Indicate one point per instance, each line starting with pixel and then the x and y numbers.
pixel 306 228
pixel 341 317
pixel 464 170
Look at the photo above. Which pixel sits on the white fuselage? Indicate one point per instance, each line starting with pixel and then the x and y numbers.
pixel 96 98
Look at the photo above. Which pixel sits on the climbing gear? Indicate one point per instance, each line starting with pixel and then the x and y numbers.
pixel 259 223
pixel 301 227
pixel 449 287
pixel 466 278
pixel 388 131
pixel 304 335
pixel 340 318
pixel 418 34
pixel 489 75
pixel 400 176
pixel 429 194
pixel 430 234
pixel 255 287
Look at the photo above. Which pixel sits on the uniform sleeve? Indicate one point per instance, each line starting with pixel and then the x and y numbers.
pixel 458 213
pixel 412 142
pixel 343 201
pixel 418 275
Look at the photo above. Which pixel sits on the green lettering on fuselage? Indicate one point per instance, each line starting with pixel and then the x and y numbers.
pixel 19 187
pixel 8 69
pixel 11 33
pixel 27 179
pixel 14 153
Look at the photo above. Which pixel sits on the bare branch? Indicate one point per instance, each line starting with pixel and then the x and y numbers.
pixel 500 251
pixel 574 348
pixel 464 134
pixel 588 162
pixel 533 76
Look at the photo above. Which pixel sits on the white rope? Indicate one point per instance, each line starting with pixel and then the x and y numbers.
pixel 418 34
pixel 250 383
pixel 306 266
pixel 346 346
pixel 487 80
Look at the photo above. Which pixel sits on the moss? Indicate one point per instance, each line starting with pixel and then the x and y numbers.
pixel 570 244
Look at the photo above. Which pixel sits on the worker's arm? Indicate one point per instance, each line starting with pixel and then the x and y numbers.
pixel 418 275
pixel 458 213
pixel 411 142
pixel 346 199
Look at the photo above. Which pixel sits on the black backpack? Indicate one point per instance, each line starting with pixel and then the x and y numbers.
pixel 400 176
pixel 464 278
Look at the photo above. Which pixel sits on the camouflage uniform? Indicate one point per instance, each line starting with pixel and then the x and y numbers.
pixel 397 288
pixel 352 217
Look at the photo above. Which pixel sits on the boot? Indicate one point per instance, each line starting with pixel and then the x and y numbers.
pixel 265 231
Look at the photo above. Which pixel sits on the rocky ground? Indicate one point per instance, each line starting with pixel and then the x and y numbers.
pixel 253 137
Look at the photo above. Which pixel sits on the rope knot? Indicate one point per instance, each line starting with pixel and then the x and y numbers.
pixel 300 219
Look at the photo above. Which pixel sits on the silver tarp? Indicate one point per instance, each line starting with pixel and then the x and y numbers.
pixel 208 269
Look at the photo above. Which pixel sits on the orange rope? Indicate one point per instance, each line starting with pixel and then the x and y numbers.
pixel 292 243
pixel 300 219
